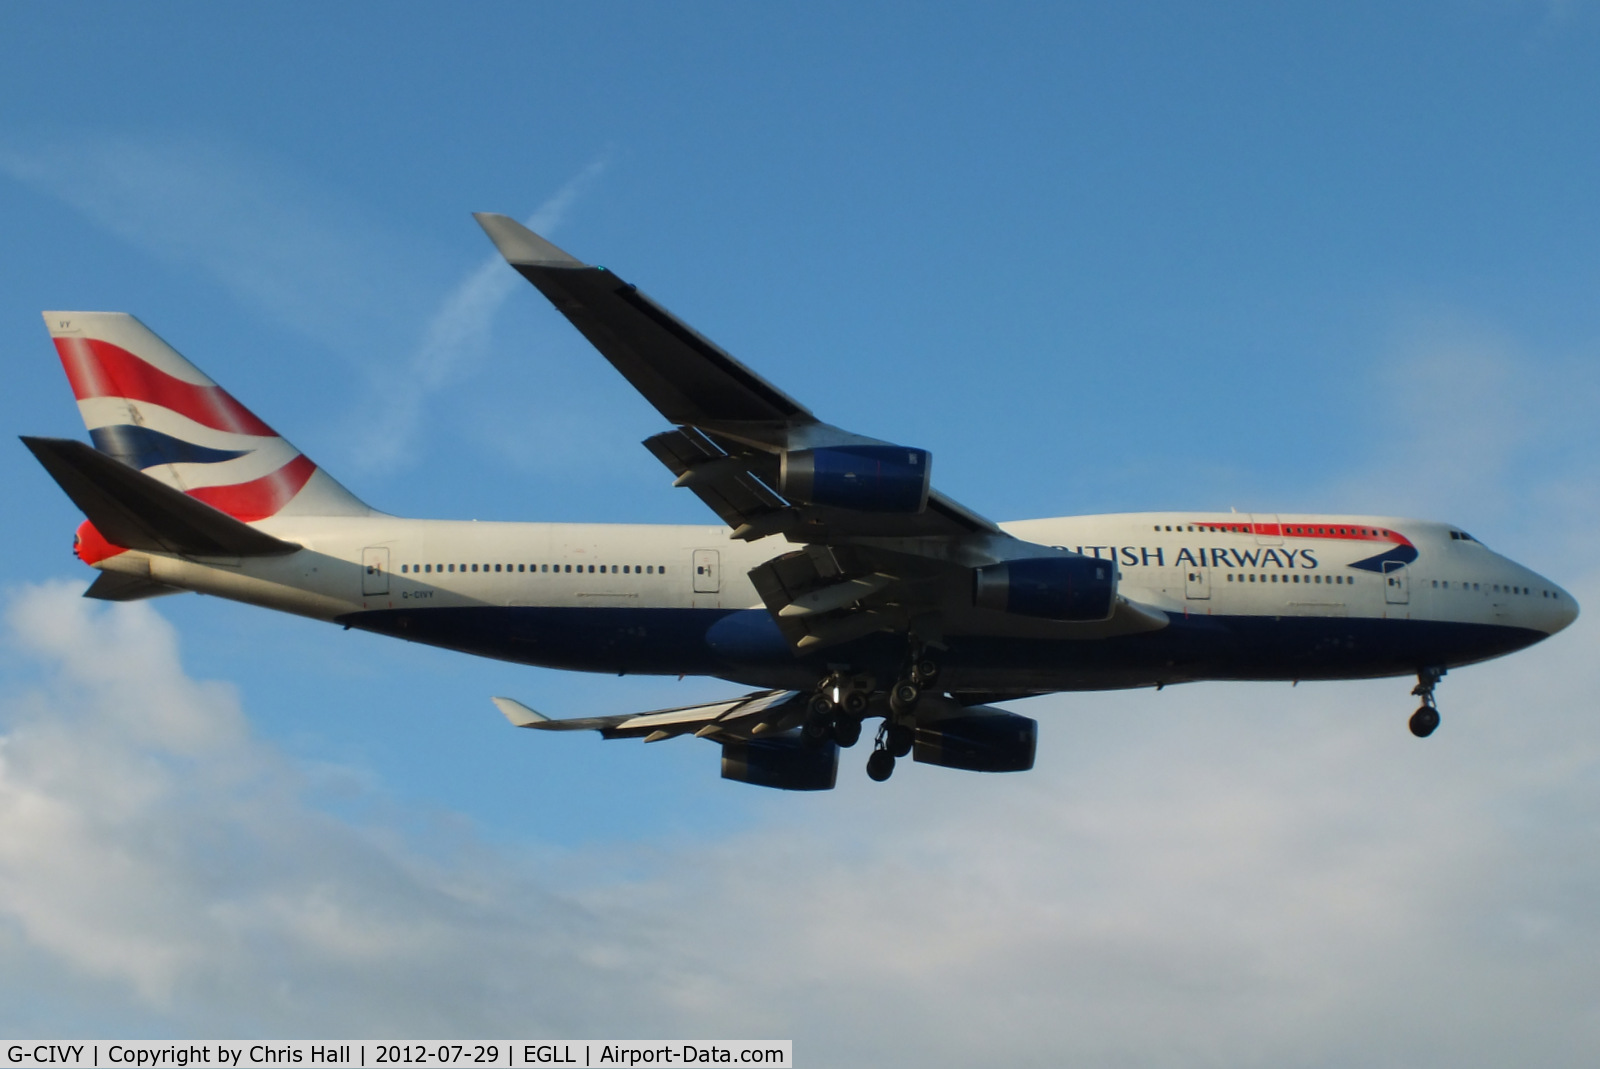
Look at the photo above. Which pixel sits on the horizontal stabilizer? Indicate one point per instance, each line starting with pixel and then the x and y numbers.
pixel 115 586
pixel 133 510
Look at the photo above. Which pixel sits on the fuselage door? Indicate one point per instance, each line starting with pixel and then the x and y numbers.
pixel 1269 532
pixel 1197 583
pixel 1396 587
pixel 375 570
pixel 705 572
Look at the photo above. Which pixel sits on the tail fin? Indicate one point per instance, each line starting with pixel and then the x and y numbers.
pixel 148 407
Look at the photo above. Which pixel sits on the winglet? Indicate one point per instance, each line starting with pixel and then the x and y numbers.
pixel 519 715
pixel 519 245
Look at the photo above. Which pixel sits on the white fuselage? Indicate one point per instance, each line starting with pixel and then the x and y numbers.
pixel 625 597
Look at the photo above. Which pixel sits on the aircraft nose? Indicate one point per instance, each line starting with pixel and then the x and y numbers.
pixel 1557 609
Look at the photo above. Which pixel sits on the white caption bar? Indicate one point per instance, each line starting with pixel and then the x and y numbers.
pixel 371 1054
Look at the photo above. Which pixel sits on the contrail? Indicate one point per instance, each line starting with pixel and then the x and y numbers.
pixel 460 329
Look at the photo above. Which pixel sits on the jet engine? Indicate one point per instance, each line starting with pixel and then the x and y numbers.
pixel 980 739
pixel 867 478
pixel 1078 589
pixel 784 761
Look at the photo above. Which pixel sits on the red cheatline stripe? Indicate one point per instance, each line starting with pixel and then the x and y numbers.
pixel 1346 532
pixel 259 498
pixel 97 368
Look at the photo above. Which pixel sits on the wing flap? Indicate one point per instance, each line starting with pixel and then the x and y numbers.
pixel 724 482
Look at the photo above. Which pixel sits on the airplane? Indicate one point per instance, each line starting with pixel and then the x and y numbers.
pixel 840 584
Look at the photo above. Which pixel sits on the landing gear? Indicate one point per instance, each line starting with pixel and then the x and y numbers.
pixel 903 696
pixel 835 712
pixel 847 730
pixel 1425 721
pixel 893 741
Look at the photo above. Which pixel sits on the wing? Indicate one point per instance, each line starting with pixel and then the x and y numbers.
pixel 733 425
pixel 883 550
pixel 766 712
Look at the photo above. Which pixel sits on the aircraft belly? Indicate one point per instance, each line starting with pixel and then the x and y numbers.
pixel 744 645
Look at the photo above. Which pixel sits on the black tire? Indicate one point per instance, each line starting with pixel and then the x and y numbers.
pixel 925 672
pixel 815 730
pixel 820 707
pixel 898 740
pixel 880 766
pixel 903 696
pixel 1424 722
pixel 855 703
pixel 847 730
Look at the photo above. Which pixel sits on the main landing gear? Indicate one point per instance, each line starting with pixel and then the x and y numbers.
pixel 836 709
pixel 1426 719
pixel 841 701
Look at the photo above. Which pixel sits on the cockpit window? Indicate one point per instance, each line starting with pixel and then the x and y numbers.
pixel 1462 536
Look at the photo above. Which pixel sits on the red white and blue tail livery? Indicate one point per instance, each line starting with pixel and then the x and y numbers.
pixel 150 408
pixel 840 583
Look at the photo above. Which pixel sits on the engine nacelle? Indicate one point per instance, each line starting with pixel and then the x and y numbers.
pixel 867 478
pixel 979 740
pixel 1079 589
pixel 785 761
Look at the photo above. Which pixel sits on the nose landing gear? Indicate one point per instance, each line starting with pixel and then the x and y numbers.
pixel 1426 719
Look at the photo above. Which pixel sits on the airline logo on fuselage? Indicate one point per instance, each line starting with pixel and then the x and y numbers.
pixel 1398 549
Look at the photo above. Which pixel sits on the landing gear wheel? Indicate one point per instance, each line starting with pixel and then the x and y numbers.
pixel 880 766
pixel 903 698
pixel 814 730
pixel 1424 721
pixel 925 671
pixel 855 703
pixel 847 730
pixel 820 707
pixel 897 740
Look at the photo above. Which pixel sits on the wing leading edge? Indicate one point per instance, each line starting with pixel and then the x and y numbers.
pixel 861 570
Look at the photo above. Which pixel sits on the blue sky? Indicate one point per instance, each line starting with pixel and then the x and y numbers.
pixel 1094 257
